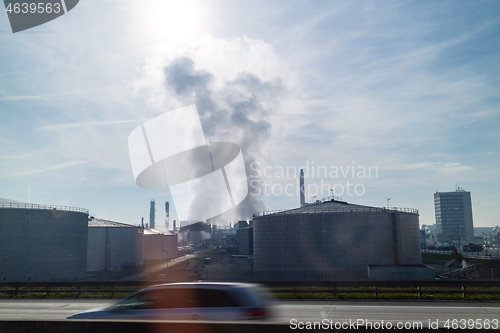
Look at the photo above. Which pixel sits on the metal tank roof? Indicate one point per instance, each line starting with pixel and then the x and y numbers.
pixel 96 222
pixel 334 205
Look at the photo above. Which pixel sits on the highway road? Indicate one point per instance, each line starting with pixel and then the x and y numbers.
pixel 296 312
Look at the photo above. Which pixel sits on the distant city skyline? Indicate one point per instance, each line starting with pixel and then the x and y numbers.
pixel 408 88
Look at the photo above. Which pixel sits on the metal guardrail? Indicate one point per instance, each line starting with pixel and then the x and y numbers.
pixel 464 287
pixel 71 287
pixel 419 288
pixel 487 253
pixel 44 207
pixel 353 209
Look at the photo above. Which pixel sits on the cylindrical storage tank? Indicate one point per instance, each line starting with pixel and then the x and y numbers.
pixel 114 247
pixel 333 245
pixel 42 243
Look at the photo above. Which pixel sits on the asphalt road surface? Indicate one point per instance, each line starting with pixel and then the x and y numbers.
pixel 300 312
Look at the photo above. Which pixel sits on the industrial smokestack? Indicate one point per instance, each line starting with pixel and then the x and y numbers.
pixel 167 215
pixel 152 214
pixel 302 191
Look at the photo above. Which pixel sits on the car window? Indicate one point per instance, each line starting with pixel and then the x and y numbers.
pixel 216 298
pixel 175 298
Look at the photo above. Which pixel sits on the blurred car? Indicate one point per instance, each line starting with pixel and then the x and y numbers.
pixel 190 301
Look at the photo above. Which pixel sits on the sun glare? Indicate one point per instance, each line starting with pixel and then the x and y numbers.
pixel 170 20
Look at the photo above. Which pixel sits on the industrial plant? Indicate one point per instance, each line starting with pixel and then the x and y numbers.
pixel 328 239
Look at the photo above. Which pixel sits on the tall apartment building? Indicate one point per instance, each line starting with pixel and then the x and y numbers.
pixel 454 217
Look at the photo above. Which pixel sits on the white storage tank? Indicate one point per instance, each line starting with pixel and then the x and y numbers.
pixel 333 240
pixel 42 242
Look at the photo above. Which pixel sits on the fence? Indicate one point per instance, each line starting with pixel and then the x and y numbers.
pixel 464 287
pixel 329 209
pixel 44 207
pixel 486 253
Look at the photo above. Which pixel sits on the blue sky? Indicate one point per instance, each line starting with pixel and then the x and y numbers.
pixel 410 87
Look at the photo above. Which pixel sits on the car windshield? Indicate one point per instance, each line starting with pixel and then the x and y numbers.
pixel 134 302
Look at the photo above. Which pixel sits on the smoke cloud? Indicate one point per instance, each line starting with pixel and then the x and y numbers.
pixel 237 110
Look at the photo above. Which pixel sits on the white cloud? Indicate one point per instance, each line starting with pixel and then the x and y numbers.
pixel 52 168
pixel 454 168
pixel 68 126
pixel 437 166
pixel 28 97
pixel 422 165
pixel 15 156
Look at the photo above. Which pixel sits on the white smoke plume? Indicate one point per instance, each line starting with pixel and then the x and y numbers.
pixel 237 112
pixel 236 103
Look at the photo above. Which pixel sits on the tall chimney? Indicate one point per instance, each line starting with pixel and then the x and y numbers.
pixel 167 215
pixel 152 214
pixel 302 191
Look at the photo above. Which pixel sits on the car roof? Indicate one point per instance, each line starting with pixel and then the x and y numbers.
pixel 202 285
pixel 248 293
